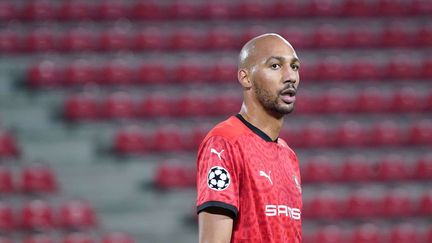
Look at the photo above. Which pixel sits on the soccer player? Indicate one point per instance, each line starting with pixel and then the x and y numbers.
pixel 248 179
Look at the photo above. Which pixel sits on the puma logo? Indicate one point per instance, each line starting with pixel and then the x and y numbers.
pixel 262 173
pixel 214 151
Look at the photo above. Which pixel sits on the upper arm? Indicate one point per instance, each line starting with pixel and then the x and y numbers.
pixel 215 225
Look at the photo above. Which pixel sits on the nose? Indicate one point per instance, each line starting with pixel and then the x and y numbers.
pixel 291 76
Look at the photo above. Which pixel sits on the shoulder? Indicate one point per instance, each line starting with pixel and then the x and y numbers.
pixel 228 130
pixel 284 144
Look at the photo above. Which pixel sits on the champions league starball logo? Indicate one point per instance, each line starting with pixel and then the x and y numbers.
pixel 218 178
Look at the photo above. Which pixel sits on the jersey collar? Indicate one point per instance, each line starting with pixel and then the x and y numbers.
pixel 255 130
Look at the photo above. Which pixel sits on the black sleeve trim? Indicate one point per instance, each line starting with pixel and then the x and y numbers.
pixel 232 209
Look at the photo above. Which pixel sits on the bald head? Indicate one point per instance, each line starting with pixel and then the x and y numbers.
pixel 260 45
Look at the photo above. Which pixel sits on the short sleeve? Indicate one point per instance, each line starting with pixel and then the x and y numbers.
pixel 218 175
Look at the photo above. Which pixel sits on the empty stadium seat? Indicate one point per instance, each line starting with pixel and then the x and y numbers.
pixel 425 207
pixel 130 140
pixel 110 10
pixel 117 237
pixel 169 176
pixel 426 68
pixel 7 218
pixel 168 138
pixel 216 10
pixel 77 214
pixel 43 75
pixel 361 37
pixel 73 10
pixel 328 36
pixel 392 167
pixel 78 237
pixel 113 40
pixel 8 11
pixel 8 145
pixel 404 233
pixel 367 233
pixel 332 69
pixel 397 203
pixel 221 38
pixel 37 10
pixel 118 105
pixel 336 101
pixel 351 133
pixel 193 105
pixel 371 100
pixel 356 168
pixel 152 73
pixel 38 178
pixel 39 238
pixel 186 38
pixel 6 181
pixel 423 168
pixel 8 41
pixel 155 105
pixel 77 40
pixel 225 104
pixel 421 133
pixel 39 40
pixel 364 69
pixel 148 39
pixel 224 71
pixel 250 9
pixel 407 100
pixel 147 10
pixel 37 215
pixel 79 73
pixel 81 107
pixel 424 36
pixel 401 68
pixel 318 169
pixel 117 72
pixel 315 134
pixel 330 234
pixel 190 72
pixel 386 133
pixel 323 205
pixel 361 204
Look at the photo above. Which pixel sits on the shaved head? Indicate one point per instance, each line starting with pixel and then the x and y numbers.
pixel 248 54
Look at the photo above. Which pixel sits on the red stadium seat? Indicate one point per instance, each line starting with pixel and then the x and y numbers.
pixel 359 8
pixel 216 10
pixel 8 41
pixel 300 38
pixel 148 39
pixel 428 234
pixel 426 204
pixel 392 167
pixel 156 105
pixel 395 35
pixel 152 73
pixel 37 215
pixel 117 237
pixel 356 168
pixel 113 40
pixel 393 8
pixel 145 9
pixel 8 11
pixel 316 134
pixel 131 140
pixel 196 136
pixel 39 40
pixel 81 107
pixel 404 233
pixel 110 10
pixel 183 10
pixel 78 237
pixel 252 32
pixel 364 68
pixel 371 100
pixel 73 10
pixel 423 168
pixel 6 181
pixel 118 105
pixel 8 146
pixel 221 38
pixel 168 139
pixel 424 36
pixel 327 8
pixel 318 169
pixel 328 36
pixel 77 214
pixel 43 75
pixel 323 205
pixel 407 100
pixel 422 7
pixel 116 72
pixel 290 9
pixel 330 234
pixel 77 40
pixel 401 68
pixel 38 10
pixel 190 72
pixel 226 104
pixel 251 9
pixel 79 73
pixel 193 105
pixel 38 178
pixel 7 221
pixel 397 203
pixel 426 69
pixel 367 233
pixel 361 204
pixel 174 176
pixel 361 37
pixel 38 238
pixel 187 39
pixel 332 69
pixel 351 133
pixel 420 133
pixel 224 70
pixel 336 101
pixel 386 133
pixel 307 103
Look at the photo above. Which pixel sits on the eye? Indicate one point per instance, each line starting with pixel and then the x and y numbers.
pixel 275 66
pixel 295 67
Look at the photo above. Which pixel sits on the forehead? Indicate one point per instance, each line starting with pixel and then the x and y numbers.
pixel 273 47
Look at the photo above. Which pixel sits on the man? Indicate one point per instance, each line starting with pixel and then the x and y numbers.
pixel 248 178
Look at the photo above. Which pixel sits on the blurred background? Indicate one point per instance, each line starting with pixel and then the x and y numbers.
pixel 103 105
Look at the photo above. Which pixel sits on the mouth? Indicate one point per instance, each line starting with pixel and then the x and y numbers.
pixel 289 95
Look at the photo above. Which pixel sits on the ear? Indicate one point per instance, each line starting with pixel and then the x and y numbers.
pixel 243 78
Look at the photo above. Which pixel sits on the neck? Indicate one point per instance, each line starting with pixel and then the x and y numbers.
pixel 261 119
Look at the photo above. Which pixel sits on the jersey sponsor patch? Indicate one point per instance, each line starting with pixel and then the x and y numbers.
pixel 218 178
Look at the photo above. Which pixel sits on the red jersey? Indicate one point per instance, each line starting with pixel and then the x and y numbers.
pixel 241 169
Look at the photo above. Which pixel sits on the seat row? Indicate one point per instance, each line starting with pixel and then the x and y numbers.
pixel 47 74
pixel 134 140
pixel 31 179
pixel 327 36
pixel 369 233
pixel 142 10
pixel 9 147
pixel 356 168
pixel 85 107
pixel 74 237
pixel 40 215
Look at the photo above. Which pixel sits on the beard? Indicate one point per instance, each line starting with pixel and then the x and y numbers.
pixel 271 102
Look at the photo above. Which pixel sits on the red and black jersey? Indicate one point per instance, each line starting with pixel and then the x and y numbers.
pixel 241 169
